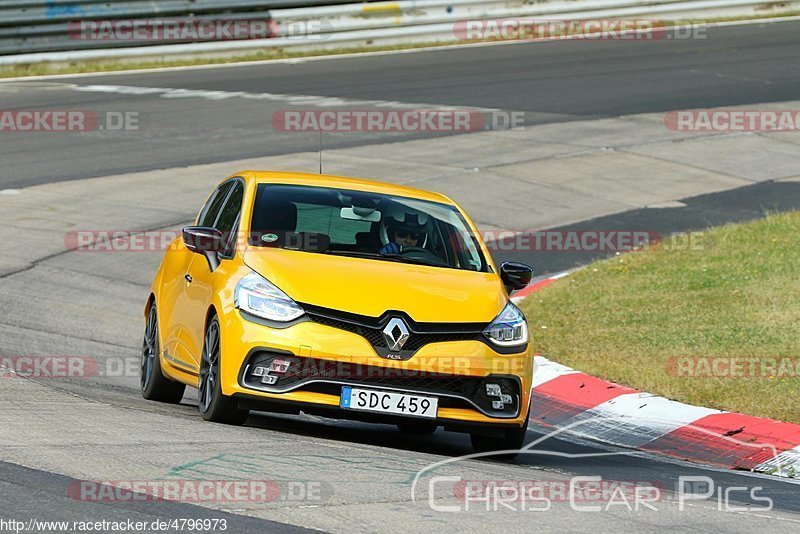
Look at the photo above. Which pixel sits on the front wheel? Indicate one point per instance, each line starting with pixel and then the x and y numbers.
pixel 214 406
pixel 154 385
pixel 509 443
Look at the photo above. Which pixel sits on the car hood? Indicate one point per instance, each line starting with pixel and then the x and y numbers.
pixel 371 287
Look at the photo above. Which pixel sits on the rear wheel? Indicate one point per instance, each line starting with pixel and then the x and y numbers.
pixel 155 386
pixel 510 442
pixel 214 406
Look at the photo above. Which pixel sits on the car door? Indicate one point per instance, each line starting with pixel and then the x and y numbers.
pixel 174 285
pixel 201 280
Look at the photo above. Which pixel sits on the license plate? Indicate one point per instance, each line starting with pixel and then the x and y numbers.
pixel 370 400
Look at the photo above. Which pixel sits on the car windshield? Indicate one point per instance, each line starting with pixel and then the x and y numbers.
pixel 363 224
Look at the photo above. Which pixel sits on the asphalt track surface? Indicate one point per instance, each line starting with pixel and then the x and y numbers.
pixel 32 493
pixel 697 214
pixel 551 82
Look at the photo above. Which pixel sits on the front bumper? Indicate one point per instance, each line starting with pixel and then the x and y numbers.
pixel 324 358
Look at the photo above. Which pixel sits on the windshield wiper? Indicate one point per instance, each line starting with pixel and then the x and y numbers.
pixel 387 257
pixel 355 254
pixel 404 259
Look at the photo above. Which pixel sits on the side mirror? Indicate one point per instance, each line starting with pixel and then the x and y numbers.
pixel 200 239
pixel 205 241
pixel 515 275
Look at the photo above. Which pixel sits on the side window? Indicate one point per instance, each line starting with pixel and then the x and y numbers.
pixel 227 223
pixel 210 211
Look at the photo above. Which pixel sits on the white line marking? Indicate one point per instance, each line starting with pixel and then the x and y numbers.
pixel 294 100
pixel 667 204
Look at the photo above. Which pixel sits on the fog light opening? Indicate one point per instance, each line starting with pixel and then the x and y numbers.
pixel 279 366
pixel 270 373
pixel 493 390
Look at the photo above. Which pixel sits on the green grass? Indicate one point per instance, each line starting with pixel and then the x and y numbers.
pixel 36 69
pixel 626 318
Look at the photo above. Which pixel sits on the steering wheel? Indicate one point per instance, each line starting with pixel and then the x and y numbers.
pixel 422 254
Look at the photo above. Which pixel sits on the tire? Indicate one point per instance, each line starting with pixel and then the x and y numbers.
pixel 154 385
pixel 418 428
pixel 214 406
pixel 512 440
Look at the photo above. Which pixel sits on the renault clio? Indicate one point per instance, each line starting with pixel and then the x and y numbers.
pixel 342 297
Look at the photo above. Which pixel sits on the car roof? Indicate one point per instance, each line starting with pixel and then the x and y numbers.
pixel 341 182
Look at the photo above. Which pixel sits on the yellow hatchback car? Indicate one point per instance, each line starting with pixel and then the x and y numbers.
pixel 342 297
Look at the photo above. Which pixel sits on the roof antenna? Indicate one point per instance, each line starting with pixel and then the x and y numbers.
pixel 320 150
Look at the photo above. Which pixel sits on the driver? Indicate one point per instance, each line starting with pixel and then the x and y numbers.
pixel 408 233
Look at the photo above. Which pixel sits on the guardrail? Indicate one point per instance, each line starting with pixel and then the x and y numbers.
pixel 351 17
pixel 36 31
pixel 28 26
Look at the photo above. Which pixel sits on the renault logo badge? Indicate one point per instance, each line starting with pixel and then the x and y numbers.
pixel 396 334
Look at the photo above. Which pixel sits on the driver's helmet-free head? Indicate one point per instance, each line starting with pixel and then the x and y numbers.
pixel 404 224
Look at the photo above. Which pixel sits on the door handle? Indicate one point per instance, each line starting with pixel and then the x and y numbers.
pixel 188 278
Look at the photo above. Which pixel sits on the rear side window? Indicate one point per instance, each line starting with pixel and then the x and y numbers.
pixel 228 219
pixel 211 210
pixel 230 211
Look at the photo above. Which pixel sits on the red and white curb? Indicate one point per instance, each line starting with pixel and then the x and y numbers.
pixel 610 413
pixel 537 285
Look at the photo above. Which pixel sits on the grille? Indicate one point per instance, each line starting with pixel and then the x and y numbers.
pixel 373 335
pixel 417 341
pixel 371 328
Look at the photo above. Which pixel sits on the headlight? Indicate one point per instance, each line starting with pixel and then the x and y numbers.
pixel 257 296
pixel 509 328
